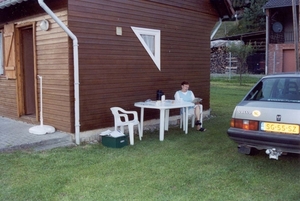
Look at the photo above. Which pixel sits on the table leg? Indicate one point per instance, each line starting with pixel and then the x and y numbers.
pixel 186 119
pixel 142 121
pixel 167 114
pixel 161 124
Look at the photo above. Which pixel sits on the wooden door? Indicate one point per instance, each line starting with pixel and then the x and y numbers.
pixel 26 71
pixel 289 61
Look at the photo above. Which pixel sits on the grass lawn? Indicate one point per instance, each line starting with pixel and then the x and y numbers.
pixel 196 166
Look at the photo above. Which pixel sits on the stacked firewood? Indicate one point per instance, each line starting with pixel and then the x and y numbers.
pixel 218 60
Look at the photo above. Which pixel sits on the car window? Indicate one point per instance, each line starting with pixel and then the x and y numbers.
pixel 276 89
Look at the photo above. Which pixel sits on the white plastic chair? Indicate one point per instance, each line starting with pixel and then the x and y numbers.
pixel 182 118
pixel 121 118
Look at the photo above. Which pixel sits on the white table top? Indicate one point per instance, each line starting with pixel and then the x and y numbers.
pixel 167 104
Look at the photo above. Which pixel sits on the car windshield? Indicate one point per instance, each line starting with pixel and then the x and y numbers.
pixel 283 89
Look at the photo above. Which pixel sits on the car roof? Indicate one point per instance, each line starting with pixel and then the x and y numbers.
pixel 295 74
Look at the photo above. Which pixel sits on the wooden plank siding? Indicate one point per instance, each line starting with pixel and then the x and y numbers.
pixel 53 64
pixel 117 71
pixel 53 61
pixel 8 101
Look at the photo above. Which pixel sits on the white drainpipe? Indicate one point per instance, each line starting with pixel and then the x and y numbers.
pixel 216 29
pixel 76 71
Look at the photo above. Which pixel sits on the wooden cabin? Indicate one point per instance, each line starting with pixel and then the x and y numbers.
pixel 280 45
pixel 127 50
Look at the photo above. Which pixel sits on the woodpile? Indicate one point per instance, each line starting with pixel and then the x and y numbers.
pixel 218 60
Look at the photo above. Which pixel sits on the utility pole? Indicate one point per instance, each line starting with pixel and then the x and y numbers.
pixel 296 35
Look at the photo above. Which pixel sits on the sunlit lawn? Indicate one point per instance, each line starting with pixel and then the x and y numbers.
pixel 196 166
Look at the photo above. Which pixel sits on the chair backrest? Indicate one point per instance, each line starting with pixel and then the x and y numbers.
pixel 117 115
pixel 115 110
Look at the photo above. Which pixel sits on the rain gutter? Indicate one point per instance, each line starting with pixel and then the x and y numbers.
pixel 76 67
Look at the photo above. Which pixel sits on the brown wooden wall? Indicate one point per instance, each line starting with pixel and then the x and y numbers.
pixel 117 71
pixel 53 63
pixel 8 98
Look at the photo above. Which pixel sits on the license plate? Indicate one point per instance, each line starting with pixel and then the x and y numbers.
pixel 280 128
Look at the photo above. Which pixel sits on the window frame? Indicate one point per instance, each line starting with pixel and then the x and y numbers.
pixel 151 32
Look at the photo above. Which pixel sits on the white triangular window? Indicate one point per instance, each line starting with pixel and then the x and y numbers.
pixel 150 39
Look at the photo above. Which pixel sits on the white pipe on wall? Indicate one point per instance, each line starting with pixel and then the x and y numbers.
pixel 216 29
pixel 274 62
pixel 296 34
pixel 76 67
pixel 267 46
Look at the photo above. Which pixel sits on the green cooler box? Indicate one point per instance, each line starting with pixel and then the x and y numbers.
pixel 114 142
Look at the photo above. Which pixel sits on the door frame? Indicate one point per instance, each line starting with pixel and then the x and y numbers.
pixel 19 70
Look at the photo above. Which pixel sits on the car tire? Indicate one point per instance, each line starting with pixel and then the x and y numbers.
pixel 254 151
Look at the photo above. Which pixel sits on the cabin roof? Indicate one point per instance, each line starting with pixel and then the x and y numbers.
pixel 223 7
pixel 278 3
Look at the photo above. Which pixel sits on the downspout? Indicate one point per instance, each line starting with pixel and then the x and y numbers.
pixel 76 71
pixel 216 29
pixel 296 34
pixel 267 44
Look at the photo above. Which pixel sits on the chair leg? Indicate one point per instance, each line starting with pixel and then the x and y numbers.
pixel 183 121
pixel 201 119
pixel 201 115
pixel 131 134
pixel 122 129
pixel 193 121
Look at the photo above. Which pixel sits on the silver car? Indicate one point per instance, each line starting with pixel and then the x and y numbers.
pixel 268 117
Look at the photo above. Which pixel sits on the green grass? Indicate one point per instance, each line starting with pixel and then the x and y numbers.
pixel 196 166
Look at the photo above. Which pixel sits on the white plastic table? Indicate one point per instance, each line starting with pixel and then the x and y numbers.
pixel 164 108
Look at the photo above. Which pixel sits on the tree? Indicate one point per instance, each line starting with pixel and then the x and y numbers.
pixel 239 4
pixel 241 52
pixel 253 17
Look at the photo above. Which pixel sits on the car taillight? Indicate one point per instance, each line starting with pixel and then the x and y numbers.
pixel 244 124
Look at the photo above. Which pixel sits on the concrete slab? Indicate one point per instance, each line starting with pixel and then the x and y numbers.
pixel 15 135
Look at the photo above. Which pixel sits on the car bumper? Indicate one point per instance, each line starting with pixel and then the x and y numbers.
pixel 263 140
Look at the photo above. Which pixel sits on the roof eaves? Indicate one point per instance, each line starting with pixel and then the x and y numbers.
pixel 224 8
pixel 229 7
pixel 278 4
pixel 7 3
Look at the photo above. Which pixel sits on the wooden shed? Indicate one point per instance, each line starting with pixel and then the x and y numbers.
pixel 127 50
pixel 282 28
